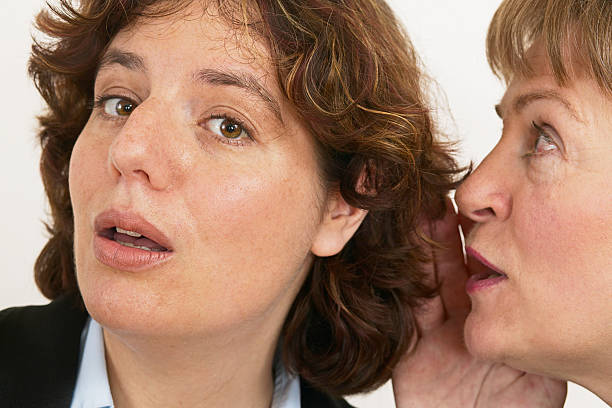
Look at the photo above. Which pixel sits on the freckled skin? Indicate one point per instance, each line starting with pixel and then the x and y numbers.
pixel 241 218
pixel 549 233
pixel 244 213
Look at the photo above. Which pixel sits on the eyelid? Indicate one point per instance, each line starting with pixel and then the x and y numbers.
pixel 548 131
pixel 235 142
pixel 540 129
pixel 99 101
pixel 549 134
pixel 222 114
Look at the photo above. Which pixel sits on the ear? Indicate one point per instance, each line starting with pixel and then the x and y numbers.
pixel 339 224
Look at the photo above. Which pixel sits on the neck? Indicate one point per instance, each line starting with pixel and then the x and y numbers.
pixel 594 373
pixel 169 372
pixel 600 386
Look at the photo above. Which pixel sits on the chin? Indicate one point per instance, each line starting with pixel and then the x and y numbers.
pixel 485 341
pixel 114 307
pixel 493 342
pixel 123 304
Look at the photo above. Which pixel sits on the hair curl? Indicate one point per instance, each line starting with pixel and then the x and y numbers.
pixel 353 76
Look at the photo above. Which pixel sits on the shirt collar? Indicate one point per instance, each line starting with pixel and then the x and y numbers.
pixel 92 389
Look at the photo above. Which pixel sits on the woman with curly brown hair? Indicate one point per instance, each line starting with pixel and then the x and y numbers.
pixel 235 189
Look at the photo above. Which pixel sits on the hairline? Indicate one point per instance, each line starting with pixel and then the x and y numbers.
pixel 518 25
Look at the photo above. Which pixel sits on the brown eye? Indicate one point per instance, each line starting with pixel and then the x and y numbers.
pixel 227 128
pixel 230 129
pixel 124 108
pixel 118 107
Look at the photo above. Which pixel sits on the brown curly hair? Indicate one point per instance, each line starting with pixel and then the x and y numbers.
pixel 352 74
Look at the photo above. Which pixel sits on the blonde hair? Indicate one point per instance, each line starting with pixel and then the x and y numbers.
pixel 584 27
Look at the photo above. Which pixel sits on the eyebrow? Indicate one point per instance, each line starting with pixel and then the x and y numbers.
pixel 521 102
pixel 244 81
pixel 126 59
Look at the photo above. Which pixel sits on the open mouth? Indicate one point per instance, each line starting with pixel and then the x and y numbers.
pixel 131 239
pixel 485 276
pixel 126 241
pixel 482 272
pixel 488 274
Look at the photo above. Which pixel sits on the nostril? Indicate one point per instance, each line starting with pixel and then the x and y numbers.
pixel 143 174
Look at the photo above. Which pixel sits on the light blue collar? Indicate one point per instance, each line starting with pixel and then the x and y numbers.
pixel 92 389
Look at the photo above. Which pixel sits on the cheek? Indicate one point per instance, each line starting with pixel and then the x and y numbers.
pixel 86 174
pixel 257 214
pixel 551 242
pixel 564 245
pixel 242 223
pixel 250 233
pixel 560 232
pixel 87 178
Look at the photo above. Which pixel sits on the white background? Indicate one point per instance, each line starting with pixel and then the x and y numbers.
pixel 449 35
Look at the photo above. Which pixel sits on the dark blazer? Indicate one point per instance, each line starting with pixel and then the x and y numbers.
pixel 39 357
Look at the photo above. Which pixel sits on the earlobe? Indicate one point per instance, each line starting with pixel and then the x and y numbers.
pixel 339 224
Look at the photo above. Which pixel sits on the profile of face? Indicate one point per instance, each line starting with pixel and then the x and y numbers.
pixel 192 145
pixel 543 211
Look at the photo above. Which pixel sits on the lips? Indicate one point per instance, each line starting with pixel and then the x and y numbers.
pixel 117 226
pixel 128 238
pixel 483 274
pixel 126 241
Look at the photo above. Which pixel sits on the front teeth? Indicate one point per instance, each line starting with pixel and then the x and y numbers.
pixel 127 244
pixel 130 233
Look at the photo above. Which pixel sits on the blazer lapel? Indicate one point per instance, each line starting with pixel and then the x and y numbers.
pixel 39 357
pixel 39 353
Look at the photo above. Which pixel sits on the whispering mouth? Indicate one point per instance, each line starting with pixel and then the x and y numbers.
pixel 131 239
pixel 488 275
pixel 481 269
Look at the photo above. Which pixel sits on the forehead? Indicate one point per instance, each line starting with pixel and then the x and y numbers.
pixel 193 35
pixel 581 101
pixel 192 47
pixel 540 82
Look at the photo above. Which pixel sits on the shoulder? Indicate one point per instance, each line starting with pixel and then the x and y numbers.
pixel 39 352
pixel 314 398
pixel 40 329
pixel 61 311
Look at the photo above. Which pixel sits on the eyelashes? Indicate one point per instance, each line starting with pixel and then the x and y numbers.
pixel 114 105
pixel 545 141
pixel 224 127
pixel 228 129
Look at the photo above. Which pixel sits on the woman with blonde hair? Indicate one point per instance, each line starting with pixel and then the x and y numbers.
pixel 537 214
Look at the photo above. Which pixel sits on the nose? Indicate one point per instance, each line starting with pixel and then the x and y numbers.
pixel 147 148
pixel 486 194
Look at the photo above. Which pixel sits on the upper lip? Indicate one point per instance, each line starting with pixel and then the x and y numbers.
pixel 131 222
pixel 472 253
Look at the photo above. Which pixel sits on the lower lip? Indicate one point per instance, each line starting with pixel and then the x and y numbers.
pixel 476 282
pixel 121 257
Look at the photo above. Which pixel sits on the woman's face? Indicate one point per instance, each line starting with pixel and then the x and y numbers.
pixel 192 145
pixel 542 202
